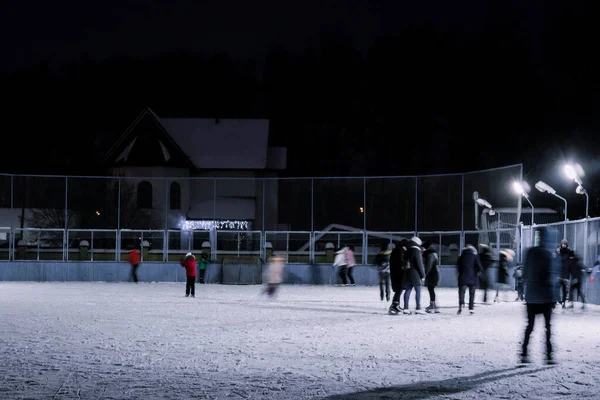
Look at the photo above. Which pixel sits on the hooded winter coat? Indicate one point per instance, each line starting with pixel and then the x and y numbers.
pixel 541 270
pixel 416 273
pixel 503 270
pixel 396 261
pixel 468 267
pixel 432 269
pixel 189 263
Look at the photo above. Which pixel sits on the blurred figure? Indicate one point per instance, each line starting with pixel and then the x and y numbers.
pixel 432 274
pixel 342 262
pixel 519 282
pixel 202 269
pixel 565 270
pixel 540 274
pixel 134 261
pixel 577 270
pixel 486 260
pixel 506 257
pixel 351 260
pixel 469 269
pixel 189 263
pixel 397 263
pixel 274 275
pixel 382 260
pixel 414 274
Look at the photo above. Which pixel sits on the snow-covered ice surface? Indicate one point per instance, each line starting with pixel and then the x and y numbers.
pixel 147 341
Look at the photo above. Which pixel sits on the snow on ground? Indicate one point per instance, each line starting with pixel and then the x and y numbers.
pixel 147 341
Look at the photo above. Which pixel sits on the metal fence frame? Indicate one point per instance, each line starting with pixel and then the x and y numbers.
pixel 312 180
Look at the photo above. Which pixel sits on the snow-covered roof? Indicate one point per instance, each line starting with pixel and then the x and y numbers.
pixel 221 143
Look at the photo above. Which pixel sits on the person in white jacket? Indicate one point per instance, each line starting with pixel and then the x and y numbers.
pixel 274 275
pixel 341 260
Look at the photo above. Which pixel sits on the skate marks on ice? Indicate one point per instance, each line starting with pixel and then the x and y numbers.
pixel 478 383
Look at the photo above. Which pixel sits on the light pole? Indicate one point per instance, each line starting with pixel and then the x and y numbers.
pixel 572 173
pixel 545 188
pixel 486 204
pixel 520 189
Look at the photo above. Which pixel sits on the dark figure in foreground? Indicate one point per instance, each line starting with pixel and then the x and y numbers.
pixel 469 269
pixel 134 261
pixel 432 274
pixel 397 262
pixel 540 274
pixel 382 260
pixel 189 263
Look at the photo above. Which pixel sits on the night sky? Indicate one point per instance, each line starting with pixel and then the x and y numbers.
pixel 350 87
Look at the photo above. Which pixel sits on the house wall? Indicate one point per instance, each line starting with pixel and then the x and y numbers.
pixel 205 198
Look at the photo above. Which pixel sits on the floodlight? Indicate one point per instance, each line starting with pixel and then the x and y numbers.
pixel 484 203
pixel 544 187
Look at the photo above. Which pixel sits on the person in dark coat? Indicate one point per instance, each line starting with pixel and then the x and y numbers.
pixel 506 257
pixel 432 274
pixel 486 260
pixel 414 276
pixel 576 280
pixel 382 260
pixel 519 282
pixel 469 269
pixel 540 272
pixel 397 260
pixel 565 270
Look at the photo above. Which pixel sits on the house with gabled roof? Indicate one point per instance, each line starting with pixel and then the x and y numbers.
pixel 188 154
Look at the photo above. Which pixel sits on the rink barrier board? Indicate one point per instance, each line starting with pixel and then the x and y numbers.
pixel 314 274
pixel 243 274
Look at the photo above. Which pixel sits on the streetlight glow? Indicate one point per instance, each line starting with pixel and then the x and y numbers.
pixel 570 172
pixel 519 189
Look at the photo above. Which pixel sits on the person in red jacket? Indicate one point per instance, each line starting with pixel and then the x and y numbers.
pixel 134 260
pixel 189 263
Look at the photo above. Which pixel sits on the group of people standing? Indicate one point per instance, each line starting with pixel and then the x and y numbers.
pixel 407 267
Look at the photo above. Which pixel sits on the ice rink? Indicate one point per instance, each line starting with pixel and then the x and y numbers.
pixel 147 341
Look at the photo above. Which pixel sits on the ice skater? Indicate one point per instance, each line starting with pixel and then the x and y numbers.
pixel 397 261
pixel 519 283
pixel 414 274
pixel 382 260
pixel 577 270
pixel 469 269
pixel 342 262
pixel 189 263
pixel 540 274
pixel 134 261
pixel 506 257
pixel 202 268
pixel 432 274
pixel 274 275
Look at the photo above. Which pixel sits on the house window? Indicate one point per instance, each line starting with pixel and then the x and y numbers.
pixel 175 196
pixel 144 195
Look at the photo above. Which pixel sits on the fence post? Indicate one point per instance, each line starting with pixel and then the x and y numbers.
pixel 416 205
pixel 364 258
pixel 166 245
pixel 311 251
pixel 65 238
